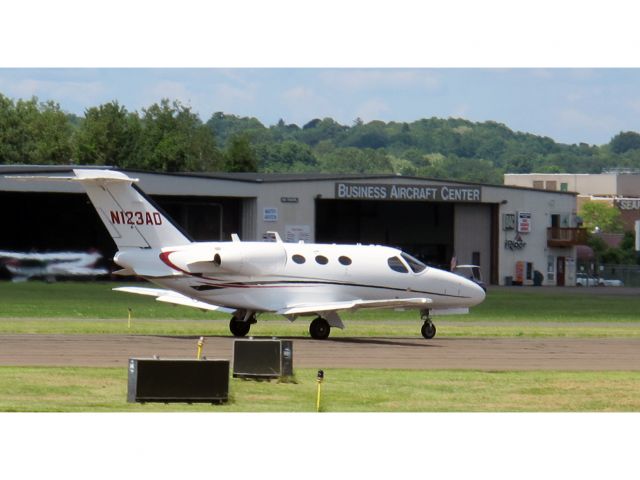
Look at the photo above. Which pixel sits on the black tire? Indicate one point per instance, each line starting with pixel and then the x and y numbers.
pixel 428 330
pixel 238 327
pixel 319 329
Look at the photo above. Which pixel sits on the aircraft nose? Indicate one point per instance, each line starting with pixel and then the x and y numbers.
pixel 474 291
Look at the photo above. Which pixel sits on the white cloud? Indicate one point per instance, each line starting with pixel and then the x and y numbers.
pixel 85 93
pixel 230 95
pixel 298 94
pixel 302 104
pixel 541 73
pixel 574 118
pixel 595 128
pixel 382 78
pixel 170 90
pixel 373 109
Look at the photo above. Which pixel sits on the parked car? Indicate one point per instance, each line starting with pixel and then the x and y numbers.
pixel 610 282
pixel 584 280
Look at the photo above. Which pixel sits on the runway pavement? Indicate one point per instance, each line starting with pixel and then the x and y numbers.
pixel 405 353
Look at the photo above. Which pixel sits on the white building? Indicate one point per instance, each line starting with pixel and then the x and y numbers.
pixel 620 189
pixel 511 232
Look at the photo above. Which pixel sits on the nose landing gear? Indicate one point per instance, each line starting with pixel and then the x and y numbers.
pixel 428 329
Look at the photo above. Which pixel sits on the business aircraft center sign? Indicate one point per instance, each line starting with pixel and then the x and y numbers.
pixel 381 191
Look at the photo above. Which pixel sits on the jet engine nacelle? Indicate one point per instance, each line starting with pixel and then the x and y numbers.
pixel 250 258
pixel 246 258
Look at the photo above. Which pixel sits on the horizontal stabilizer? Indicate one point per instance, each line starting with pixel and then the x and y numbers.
pixel 80 175
pixel 354 305
pixel 125 272
pixel 169 296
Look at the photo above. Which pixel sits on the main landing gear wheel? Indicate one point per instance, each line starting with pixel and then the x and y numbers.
pixel 238 327
pixel 428 329
pixel 319 329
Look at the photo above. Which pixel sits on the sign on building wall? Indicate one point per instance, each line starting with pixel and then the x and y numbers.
pixel 436 193
pixel 628 203
pixel 509 221
pixel 516 244
pixel 524 222
pixel 295 233
pixel 270 214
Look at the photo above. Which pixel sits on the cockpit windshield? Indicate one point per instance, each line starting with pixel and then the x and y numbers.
pixel 416 265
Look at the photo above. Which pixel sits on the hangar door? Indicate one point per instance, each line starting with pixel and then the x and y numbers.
pixel 475 237
pixel 52 222
pixel 423 229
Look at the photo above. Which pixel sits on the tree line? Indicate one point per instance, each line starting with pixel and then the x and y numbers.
pixel 168 136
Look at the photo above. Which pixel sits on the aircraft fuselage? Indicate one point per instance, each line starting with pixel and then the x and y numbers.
pixel 268 276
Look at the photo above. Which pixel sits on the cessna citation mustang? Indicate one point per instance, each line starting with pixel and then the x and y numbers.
pixel 250 278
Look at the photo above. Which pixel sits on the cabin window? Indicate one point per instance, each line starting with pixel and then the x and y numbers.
pixel 322 260
pixel 396 265
pixel 344 260
pixel 414 264
pixel 299 259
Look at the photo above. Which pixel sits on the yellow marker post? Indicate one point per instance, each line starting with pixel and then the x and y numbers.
pixel 129 322
pixel 200 345
pixel 319 380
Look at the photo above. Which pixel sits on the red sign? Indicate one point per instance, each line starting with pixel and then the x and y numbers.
pixel 524 222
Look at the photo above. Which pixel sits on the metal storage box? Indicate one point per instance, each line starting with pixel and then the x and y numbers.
pixel 262 358
pixel 178 380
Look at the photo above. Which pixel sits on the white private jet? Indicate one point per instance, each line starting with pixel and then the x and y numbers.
pixel 250 278
pixel 25 265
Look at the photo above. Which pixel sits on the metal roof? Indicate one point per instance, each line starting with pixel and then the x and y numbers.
pixel 254 177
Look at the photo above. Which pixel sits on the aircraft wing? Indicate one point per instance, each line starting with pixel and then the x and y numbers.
pixel 67 270
pixel 354 305
pixel 169 296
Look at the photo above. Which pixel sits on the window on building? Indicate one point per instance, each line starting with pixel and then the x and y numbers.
pixel 396 265
pixel 538 184
pixel 551 185
pixel 344 260
pixel 564 187
pixel 551 268
pixel 322 260
pixel 298 259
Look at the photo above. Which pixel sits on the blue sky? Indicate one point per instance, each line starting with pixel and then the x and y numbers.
pixel 568 105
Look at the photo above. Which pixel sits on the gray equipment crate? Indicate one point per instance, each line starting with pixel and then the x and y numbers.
pixel 178 380
pixel 262 358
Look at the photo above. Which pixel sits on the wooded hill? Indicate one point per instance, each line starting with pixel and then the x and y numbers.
pixel 170 137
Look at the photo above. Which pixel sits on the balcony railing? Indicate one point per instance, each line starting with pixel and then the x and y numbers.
pixel 566 237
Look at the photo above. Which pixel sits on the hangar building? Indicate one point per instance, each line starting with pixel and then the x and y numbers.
pixel 510 232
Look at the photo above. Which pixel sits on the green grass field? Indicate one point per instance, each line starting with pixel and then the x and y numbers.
pixel 344 390
pixel 93 308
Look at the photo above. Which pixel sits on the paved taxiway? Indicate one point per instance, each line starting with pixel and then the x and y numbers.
pixel 406 353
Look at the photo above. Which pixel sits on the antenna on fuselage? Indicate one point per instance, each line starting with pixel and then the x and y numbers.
pixel 273 237
pixel 235 237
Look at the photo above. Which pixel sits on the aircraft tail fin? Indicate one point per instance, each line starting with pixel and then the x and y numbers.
pixel 132 219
